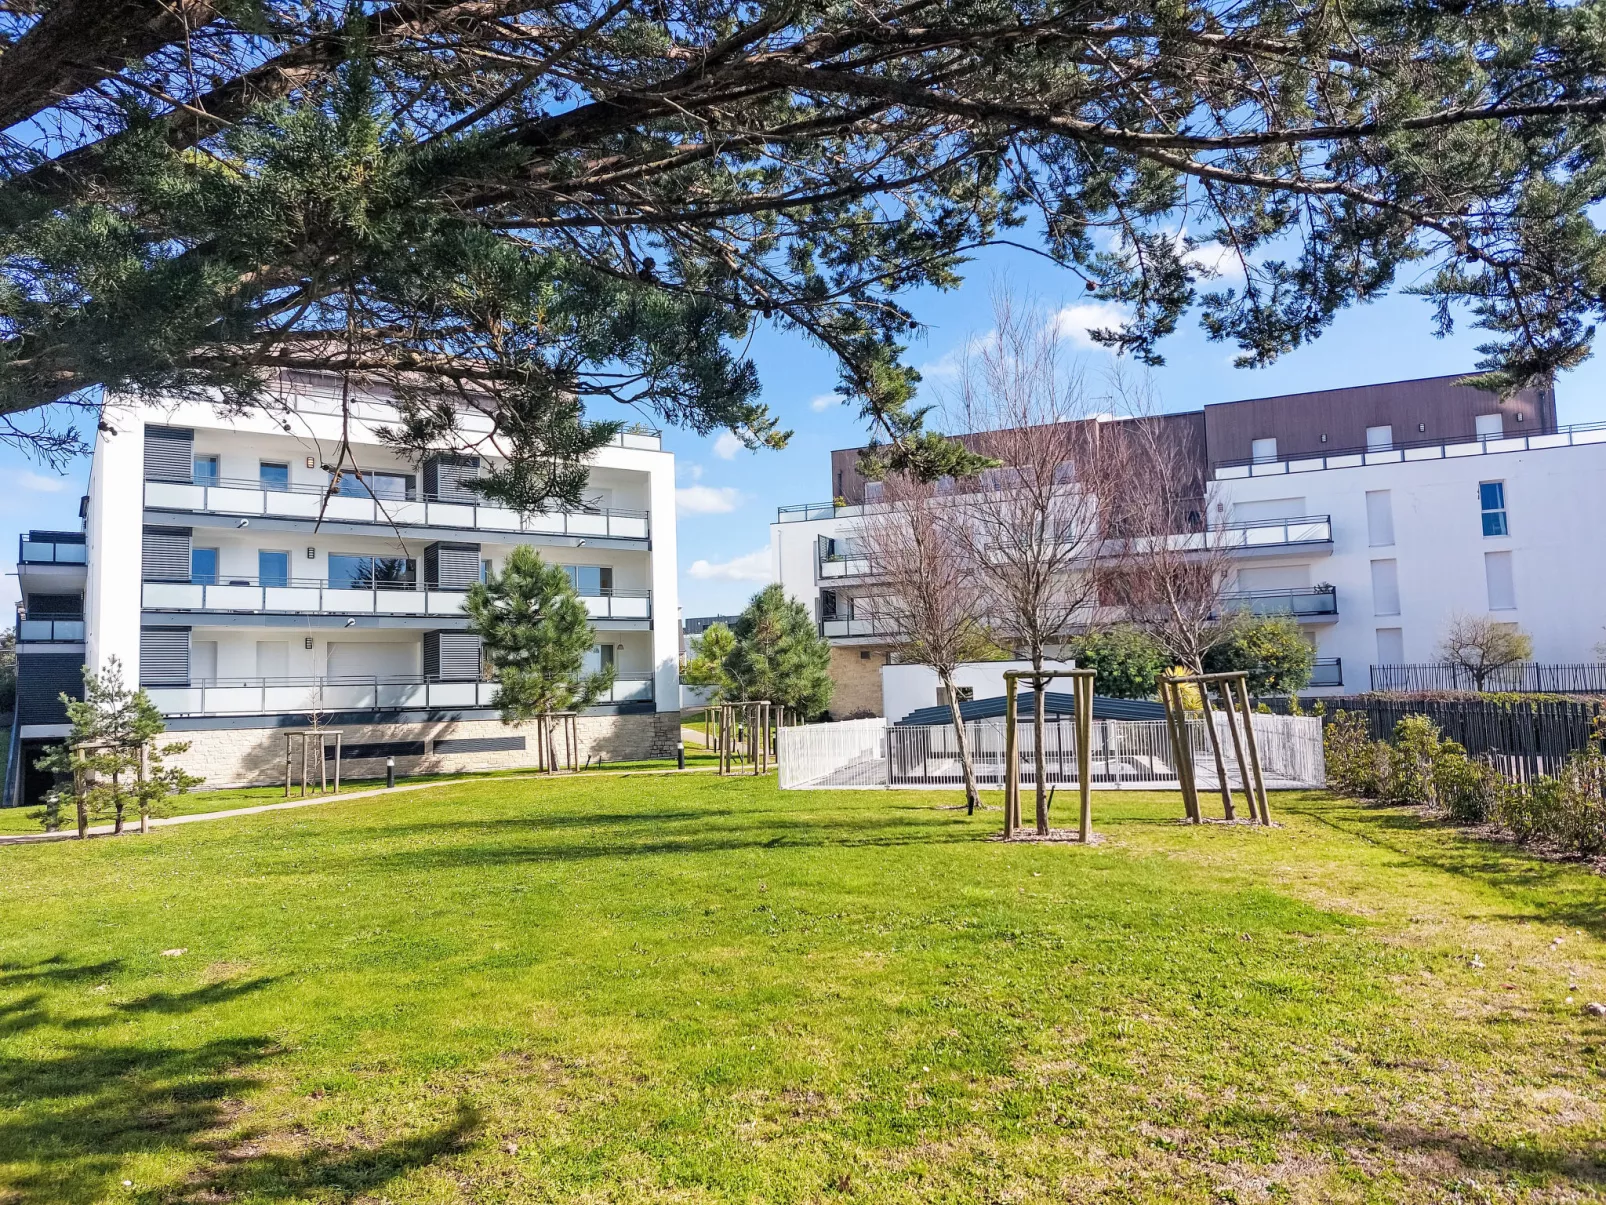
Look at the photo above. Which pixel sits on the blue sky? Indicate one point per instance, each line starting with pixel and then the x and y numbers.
pixel 728 495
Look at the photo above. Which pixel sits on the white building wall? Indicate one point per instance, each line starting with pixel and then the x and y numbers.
pixel 1555 498
pixel 113 538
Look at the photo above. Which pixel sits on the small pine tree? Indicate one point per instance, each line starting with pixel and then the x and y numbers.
pixel 706 665
pixel 110 762
pixel 536 632
pixel 779 655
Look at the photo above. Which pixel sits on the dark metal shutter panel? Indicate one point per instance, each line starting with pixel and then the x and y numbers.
pixel 169 454
pixel 70 606
pixel 41 680
pixel 166 555
pixel 164 656
pixel 452 656
pixel 444 477
pixel 479 744
pixel 451 566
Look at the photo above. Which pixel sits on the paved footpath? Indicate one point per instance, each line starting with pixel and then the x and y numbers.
pixel 132 828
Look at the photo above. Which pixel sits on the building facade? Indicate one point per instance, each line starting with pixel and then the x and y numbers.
pixel 1371 515
pixel 249 589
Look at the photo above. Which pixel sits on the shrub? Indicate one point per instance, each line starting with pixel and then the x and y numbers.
pixel 1416 747
pixel 1352 756
pixel 1469 791
pixel 1569 809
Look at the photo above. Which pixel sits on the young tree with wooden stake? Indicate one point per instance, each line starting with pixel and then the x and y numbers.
pixel 111 756
pixel 1172 554
pixel 929 593
pixel 1031 527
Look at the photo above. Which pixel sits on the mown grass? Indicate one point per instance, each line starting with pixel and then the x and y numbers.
pixel 694 989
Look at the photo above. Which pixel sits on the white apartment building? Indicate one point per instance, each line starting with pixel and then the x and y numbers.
pixel 1371 515
pixel 216 566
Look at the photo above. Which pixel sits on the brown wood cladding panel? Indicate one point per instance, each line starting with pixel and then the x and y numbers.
pixel 1298 421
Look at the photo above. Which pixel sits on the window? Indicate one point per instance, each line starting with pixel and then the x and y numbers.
pixel 1500 580
pixel 1379 518
pixel 1492 498
pixel 1490 426
pixel 590 581
pixel 350 572
pixel 1263 449
pixel 827 604
pixel 274 477
pixel 1385 588
pixel 273 568
pixel 390 487
pixel 1390 646
pixel 206 470
pixel 486 570
pixel 600 657
pixel 203 566
pixel 1379 439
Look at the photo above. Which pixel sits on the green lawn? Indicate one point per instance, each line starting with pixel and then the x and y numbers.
pixel 691 989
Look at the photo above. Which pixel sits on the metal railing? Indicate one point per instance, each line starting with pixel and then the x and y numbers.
pixel 250 497
pixel 1124 753
pixel 317 595
pixel 833 568
pixel 844 626
pixel 1312 600
pixel 1414 450
pixel 1253 534
pixel 1586 678
pixel 51 631
pixel 291 695
pixel 1327 671
pixel 51 552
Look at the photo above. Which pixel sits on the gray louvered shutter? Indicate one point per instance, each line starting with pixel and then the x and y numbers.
pixel 169 454
pixel 164 656
pixel 451 566
pixel 452 656
pixel 42 678
pixel 166 556
pixel 444 477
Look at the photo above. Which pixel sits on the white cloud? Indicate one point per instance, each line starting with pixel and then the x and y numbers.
pixel 707 500
pixel 1221 260
pixel 727 445
pixel 38 483
pixel 1073 322
pixel 750 567
pixel 824 402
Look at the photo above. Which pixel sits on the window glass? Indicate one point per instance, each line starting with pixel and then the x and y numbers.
pixel 389 486
pixel 203 566
pixel 1379 439
pixel 1490 426
pixel 590 580
pixel 1263 449
pixel 348 572
pixel 598 657
pixel 1492 499
pixel 206 471
pixel 273 568
pixel 274 476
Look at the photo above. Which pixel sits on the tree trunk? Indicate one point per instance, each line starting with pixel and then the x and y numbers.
pixel 117 806
pixel 1039 754
pixel 967 768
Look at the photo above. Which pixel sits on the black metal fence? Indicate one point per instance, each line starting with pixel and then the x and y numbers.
pixel 1525 678
pixel 1522 739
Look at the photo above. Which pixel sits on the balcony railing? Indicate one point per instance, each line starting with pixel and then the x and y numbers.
pixel 51 631
pixel 1328 671
pixel 293 695
pixel 225 496
pixel 51 552
pixel 1402 453
pixel 847 626
pixel 1255 534
pixel 317 596
pixel 1314 600
pixel 832 568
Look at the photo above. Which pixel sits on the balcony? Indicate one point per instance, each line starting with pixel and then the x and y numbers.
pixel 248 497
pixel 1315 602
pixel 1405 453
pixel 1257 536
pixel 292 695
pixel 847 627
pixel 837 567
pixel 1328 671
pixel 316 596
pixel 55 630
pixel 52 548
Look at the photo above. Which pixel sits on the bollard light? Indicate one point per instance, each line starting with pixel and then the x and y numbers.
pixel 390 771
pixel 680 755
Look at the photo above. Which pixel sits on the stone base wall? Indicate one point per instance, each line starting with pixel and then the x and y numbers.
pixel 239 757
pixel 857 680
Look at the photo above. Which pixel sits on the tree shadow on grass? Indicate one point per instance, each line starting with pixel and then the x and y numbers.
pixel 1555 892
pixel 55 970
pixel 1522 1154
pixel 241 1172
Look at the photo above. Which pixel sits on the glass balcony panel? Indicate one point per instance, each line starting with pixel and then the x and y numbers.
pixel 407 602
pixel 451 514
pixel 235 501
pixel 172 596
pixel 586 523
pixel 292 506
pixel 174 495
pixel 358 510
pixel 452 694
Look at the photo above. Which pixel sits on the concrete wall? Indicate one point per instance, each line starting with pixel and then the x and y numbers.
pixel 231 757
